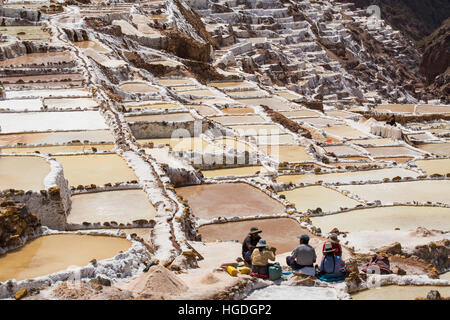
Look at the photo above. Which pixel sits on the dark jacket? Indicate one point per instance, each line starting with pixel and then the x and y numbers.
pixel 249 243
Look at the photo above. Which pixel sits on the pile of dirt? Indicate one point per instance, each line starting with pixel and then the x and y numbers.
pixel 157 282
pixel 16 222
pixel 81 290
pixel 210 278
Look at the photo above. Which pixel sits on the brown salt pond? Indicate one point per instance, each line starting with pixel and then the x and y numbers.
pixel 52 253
pixel 397 108
pixel 176 82
pixel 225 200
pixel 23 173
pixel 56 137
pixel 440 149
pixel 231 84
pixel 238 110
pixel 348 177
pixel 234 144
pixel 203 110
pixel 92 45
pixel 395 159
pixel 241 171
pixel 95 169
pixel 138 87
pixel 341 114
pixel 421 191
pixel 287 153
pixel 300 114
pixel 275 139
pixel 175 117
pixel 157 106
pixel 313 197
pixel 257 129
pixel 386 219
pixel 278 232
pixel 434 166
pixel 394 292
pixel 200 92
pixel 59 149
pixel 123 206
pixel 26 32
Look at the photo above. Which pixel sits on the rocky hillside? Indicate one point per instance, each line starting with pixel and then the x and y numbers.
pixel 415 18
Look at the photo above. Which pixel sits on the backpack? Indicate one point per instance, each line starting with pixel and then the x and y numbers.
pixel 275 272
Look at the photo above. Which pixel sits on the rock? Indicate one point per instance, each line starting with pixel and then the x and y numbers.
pixel 183 262
pixel 395 248
pixel 103 281
pixel 21 294
pixel 434 295
pixel 95 285
pixel 399 271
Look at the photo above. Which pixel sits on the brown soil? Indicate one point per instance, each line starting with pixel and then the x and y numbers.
pixel 186 47
pixel 289 124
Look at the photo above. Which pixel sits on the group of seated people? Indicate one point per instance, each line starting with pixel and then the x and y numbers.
pixel 256 253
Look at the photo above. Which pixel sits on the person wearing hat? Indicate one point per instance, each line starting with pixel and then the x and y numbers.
pixel 303 255
pixel 260 259
pixel 250 243
pixel 331 265
pixel 333 239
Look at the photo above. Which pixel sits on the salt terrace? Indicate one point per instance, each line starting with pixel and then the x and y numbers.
pixel 160 138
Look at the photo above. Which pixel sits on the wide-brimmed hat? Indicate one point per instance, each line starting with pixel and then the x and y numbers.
pixel 255 230
pixel 328 248
pixel 333 237
pixel 261 243
pixel 304 237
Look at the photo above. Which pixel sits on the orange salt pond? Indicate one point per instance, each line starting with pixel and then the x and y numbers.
pixel 95 169
pixel 238 110
pixel 122 206
pixel 52 253
pixel 23 173
pixel 226 200
pixel 313 197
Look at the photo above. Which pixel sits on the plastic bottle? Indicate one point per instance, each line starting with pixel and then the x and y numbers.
pixel 245 270
pixel 232 271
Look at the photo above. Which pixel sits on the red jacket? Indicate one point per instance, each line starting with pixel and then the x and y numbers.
pixel 336 246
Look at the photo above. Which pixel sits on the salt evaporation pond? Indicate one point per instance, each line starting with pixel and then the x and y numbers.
pixel 71 103
pixel 123 206
pixel 242 110
pixel 92 45
pixel 399 292
pixel 275 140
pixel 313 197
pixel 38 58
pixel 393 151
pixel 138 87
pixel 440 149
pixel 59 149
pixel 95 169
pixel 345 132
pixel 284 292
pixel 348 177
pixel 274 103
pixel 225 200
pixel 52 253
pixel 23 173
pixel 300 114
pixel 21 104
pixel 52 121
pixel 229 120
pixel 386 219
pixel 57 137
pixel 175 117
pixel 278 232
pixel 184 144
pixel 284 153
pixel 434 166
pixel 47 93
pixel 421 191
pixel 240 171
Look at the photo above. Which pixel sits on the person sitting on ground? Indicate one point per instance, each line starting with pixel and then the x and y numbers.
pixel 333 239
pixel 378 264
pixel 331 267
pixel 260 259
pixel 303 255
pixel 249 244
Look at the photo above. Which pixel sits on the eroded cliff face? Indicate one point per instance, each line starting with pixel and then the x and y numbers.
pixel 17 224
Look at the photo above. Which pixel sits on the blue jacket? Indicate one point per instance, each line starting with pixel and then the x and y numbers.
pixel 332 265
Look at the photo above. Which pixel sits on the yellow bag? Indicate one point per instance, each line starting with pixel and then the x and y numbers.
pixel 245 270
pixel 232 271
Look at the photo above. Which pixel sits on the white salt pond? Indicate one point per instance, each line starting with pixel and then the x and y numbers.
pixel 57 137
pixel 386 219
pixel 71 103
pixel 123 206
pixel 313 197
pixel 95 169
pixel 184 144
pixel 89 44
pixel 46 93
pixel 421 191
pixel 21 104
pixel 399 292
pixel 284 292
pixel 175 117
pixel 51 121
pixel 52 253
pixel 441 149
pixel 59 149
pixel 348 177
pixel 23 173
